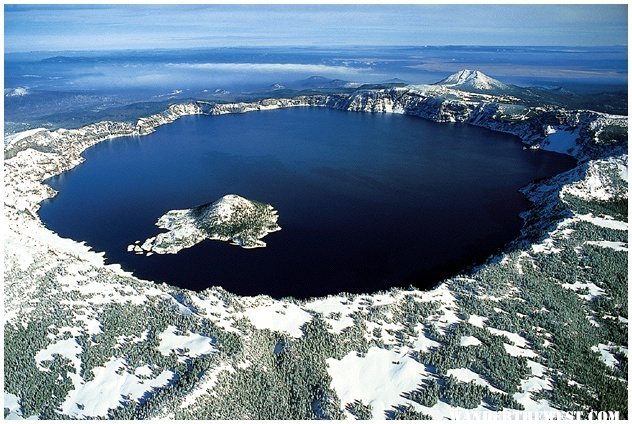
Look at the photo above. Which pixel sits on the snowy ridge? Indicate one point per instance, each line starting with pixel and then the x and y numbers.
pixel 24 134
pixel 466 79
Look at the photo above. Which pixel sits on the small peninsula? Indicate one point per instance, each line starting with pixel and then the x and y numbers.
pixel 232 218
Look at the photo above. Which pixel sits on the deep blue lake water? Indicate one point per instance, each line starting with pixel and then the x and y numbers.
pixel 365 201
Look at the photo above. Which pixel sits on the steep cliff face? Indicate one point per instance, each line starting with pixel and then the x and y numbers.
pixel 67 140
pixel 149 124
pixel 592 131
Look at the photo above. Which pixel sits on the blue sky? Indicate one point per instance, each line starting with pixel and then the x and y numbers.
pixel 105 27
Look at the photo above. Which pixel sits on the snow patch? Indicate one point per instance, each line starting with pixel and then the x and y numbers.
pixel 448 308
pixel 144 371
pixel 519 351
pixel 560 141
pixel 68 348
pixel 534 385
pixel 106 390
pixel 377 379
pixel 547 246
pixel 614 245
pixel 477 320
pixel 466 375
pixel 12 409
pixel 537 369
pixel 334 306
pixel 593 289
pixel 520 346
pixel 286 318
pixel 190 345
pixel 516 339
pixel 605 222
pixel 469 341
pixel 207 382
pixel 421 342
pixel 606 355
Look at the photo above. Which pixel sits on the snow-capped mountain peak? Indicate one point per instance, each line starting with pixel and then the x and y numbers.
pixel 468 79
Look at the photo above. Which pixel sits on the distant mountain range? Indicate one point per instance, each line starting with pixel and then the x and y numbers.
pixel 318 81
pixel 464 80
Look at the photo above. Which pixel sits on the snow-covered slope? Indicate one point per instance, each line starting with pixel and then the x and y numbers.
pixel 466 79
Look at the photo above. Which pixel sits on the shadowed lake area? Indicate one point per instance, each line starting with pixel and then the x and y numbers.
pixel 365 201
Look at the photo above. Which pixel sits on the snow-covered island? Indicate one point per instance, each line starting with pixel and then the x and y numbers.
pixel 244 222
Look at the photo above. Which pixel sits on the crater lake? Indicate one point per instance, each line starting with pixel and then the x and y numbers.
pixel 365 201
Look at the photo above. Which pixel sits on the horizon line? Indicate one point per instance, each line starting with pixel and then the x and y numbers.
pixel 304 46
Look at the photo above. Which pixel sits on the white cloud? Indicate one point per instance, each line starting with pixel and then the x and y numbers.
pixel 269 67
